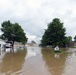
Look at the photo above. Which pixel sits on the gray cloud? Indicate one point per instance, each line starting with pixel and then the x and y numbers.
pixel 34 15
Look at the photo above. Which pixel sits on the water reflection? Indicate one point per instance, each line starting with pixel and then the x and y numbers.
pixel 34 64
pixel 12 62
pixel 70 68
pixel 37 61
pixel 54 62
pixel 56 55
pixel 2 53
pixel 31 52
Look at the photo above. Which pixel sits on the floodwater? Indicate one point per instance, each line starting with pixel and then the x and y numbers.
pixel 38 61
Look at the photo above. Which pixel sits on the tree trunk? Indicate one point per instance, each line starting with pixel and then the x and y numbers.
pixel 12 45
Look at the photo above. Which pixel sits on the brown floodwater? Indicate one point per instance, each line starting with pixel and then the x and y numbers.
pixel 38 61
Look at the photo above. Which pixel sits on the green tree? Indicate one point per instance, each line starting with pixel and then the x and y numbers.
pixel 24 40
pixel 13 32
pixel 69 38
pixel 0 36
pixel 54 34
pixel 75 38
pixel 33 42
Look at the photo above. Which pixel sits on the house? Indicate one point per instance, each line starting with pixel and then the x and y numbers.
pixel 2 44
pixel 72 44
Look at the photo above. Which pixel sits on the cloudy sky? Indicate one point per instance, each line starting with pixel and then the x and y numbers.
pixel 34 15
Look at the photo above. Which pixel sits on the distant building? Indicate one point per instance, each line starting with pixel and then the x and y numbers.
pixel 2 44
pixel 31 44
pixel 72 44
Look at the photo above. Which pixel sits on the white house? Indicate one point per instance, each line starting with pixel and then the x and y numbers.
pixel 2 44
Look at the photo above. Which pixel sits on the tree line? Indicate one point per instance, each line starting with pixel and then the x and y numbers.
pixel 55 34
pixel 13 32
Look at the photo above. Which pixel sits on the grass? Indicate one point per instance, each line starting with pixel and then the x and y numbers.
pixel 72 47
pixel 59 51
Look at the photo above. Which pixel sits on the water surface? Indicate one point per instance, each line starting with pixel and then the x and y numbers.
pixel 38 61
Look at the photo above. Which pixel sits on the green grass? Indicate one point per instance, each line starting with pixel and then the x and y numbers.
pixel 72 47
pixel 59 51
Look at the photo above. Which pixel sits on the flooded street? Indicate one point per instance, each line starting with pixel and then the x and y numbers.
pixel 38 61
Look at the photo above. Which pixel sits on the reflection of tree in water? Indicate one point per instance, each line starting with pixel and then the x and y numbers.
pixel 55 65
pixel 13 62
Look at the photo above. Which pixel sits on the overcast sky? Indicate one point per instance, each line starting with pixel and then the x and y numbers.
pixel 34 15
